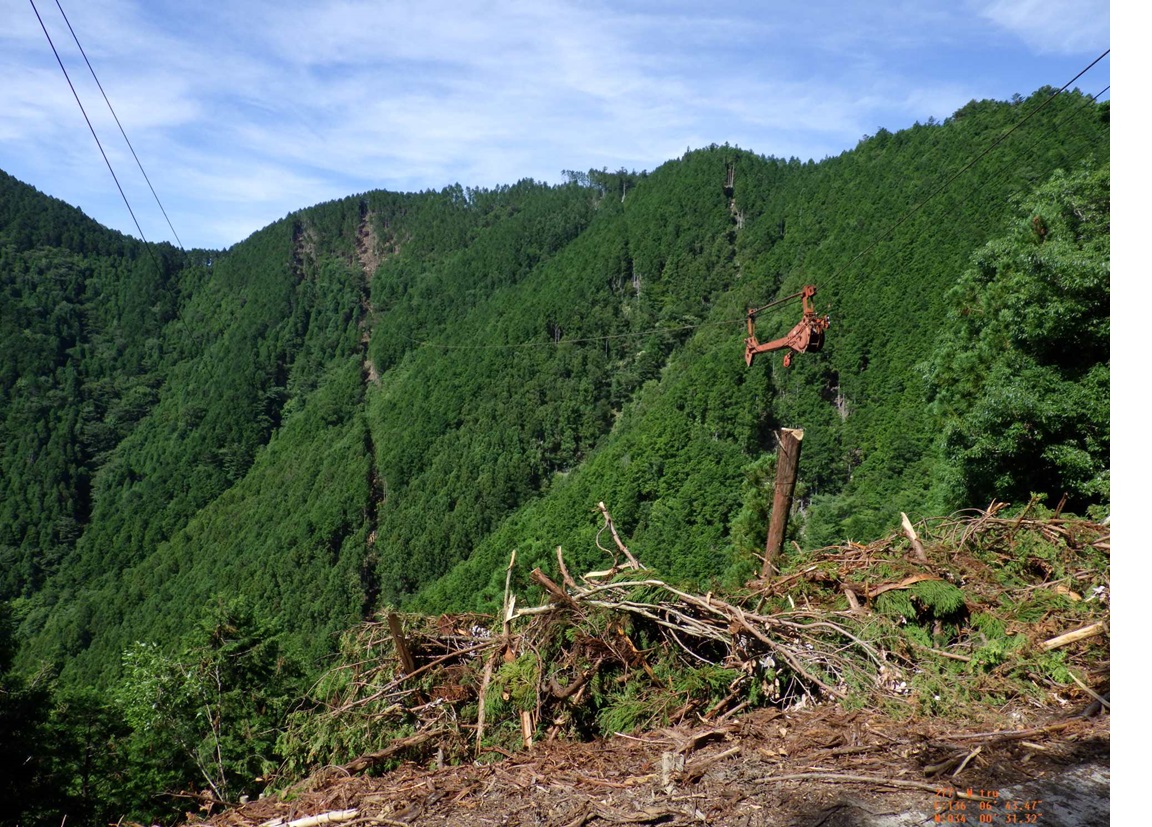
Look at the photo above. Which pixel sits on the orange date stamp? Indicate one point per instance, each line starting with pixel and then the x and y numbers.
pixel 973 806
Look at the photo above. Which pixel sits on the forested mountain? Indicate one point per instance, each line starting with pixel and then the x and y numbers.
pixel 372 401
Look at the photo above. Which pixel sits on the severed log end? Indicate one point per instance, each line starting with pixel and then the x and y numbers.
pixel 910 533
pixel 396 628
pixel 1073 636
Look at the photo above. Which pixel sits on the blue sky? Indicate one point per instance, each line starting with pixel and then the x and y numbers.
pixel 244 111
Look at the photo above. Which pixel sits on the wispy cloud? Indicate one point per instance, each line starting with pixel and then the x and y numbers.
pixel 243 112
pixel 1058 27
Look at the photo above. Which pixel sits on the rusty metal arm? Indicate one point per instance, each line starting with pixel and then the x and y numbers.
pixel 806 337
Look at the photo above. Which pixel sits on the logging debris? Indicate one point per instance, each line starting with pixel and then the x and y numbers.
pixel 858 662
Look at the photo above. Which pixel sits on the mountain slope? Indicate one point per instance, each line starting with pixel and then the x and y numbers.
pixel 374 400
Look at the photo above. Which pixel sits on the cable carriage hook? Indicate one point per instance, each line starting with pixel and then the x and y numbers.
pixel 806 337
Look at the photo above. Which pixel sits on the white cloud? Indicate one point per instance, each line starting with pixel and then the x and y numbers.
pixel 1062 27
pixel 249 110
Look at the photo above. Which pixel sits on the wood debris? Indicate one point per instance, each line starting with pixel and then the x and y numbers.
pixel 616 695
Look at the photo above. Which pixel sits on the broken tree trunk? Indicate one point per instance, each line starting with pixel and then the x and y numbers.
pixel 407 662
pixel 910 533
pixel 787 461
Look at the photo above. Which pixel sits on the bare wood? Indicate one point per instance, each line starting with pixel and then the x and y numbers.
pixel 562 693
pixel 598 575
pixel 853 603
pixel 910 533
pixel 1079 634
pixel 568 581
pixel 740 707
pixel 787 579
pixel 695 771
pixel 482 700
pixel 1104 703
pixel 526 727
pixel 529 611
pixel 942 653
pixel 787 460
pixel 550 585
pixel 695 740
pixel 1014 735
pixel 312 821
pixel 670 763
pixel 943 766
pixel 616 537
pixel 903 584
pixel 967 758
pixel 509 600
pixel 407 662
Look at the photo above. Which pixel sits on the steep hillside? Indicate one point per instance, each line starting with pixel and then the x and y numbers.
pixel 373 400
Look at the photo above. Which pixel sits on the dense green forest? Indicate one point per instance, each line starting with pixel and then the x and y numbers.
pixel 213 462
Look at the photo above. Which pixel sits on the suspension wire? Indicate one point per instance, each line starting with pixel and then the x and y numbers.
pixel 884 236
pixel 92 129
pixel 770 305
pixel 583 340
pixel 948 182
pixel 1091 101
pixel 132 149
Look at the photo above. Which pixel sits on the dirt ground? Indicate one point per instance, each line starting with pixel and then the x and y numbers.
pixel 814 767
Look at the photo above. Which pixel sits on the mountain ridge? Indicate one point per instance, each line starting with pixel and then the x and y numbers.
pixel 526 347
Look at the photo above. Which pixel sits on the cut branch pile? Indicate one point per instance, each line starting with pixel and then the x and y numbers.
pixel 621 650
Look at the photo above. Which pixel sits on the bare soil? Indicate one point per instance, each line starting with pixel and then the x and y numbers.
pixel 816 767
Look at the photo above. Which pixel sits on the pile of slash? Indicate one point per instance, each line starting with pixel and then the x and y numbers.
pixel 920 678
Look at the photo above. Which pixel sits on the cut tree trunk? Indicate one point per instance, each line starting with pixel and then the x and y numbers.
pixel 787 461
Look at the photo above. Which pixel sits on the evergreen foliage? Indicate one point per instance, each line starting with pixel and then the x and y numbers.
pixel 1021 378
pixel 26 773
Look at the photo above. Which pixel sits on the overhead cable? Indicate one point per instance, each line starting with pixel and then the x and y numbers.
pixel 92 129
pixel 948 182
pixel 132 149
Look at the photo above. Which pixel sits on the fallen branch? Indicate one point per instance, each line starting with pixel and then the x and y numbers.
pixel 399 745
pixel 562 693
pixel 906 583
pixel 407 663
pixel 632 561
pixel 842 778
pixel 489 664
pixel 967 758
pixel 568 581
pixel 1071 637
pixel 695 771
pixel 550 586
pixel 313 821
pixel 1102 701
pixel 1013 735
